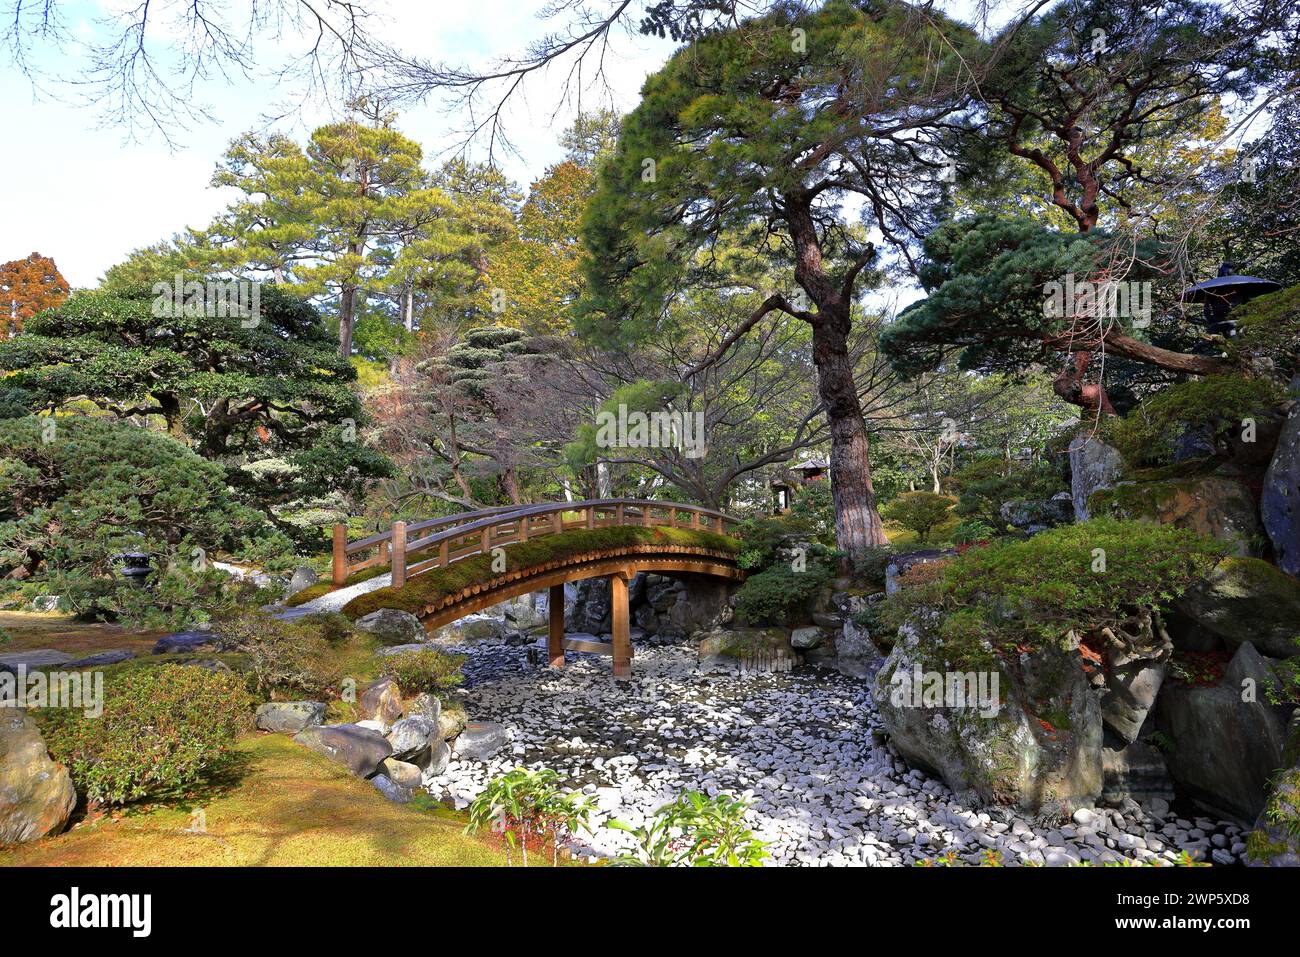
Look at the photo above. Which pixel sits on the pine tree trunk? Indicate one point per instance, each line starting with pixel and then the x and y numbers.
pixel 347 319
pixel 857 523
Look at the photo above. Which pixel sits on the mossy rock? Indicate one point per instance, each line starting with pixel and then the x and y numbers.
pixel 1217 505
pixel 1247 599
pixel 725 648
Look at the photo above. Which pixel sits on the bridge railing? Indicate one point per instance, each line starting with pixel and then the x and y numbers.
pixel 438 542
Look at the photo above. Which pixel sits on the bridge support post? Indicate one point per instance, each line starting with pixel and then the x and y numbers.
pixel 399 554
pixel 621 632
pixel 555 635
pixel 340 570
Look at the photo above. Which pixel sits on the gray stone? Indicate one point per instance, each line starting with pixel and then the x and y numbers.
pixel 102 658
pixel 1037 514
pixel 1247 599
pixel 1135 771
pixel 389 650
pixel 401 773
pixel 382 702
pixel 36 658
pixel 45 603
pixel 1094 465
pixel 300 579
pixel 470 629
pixel 392 627
pixel 1131 691
pixel 436 759
pixel 184 641
pixel 360 750
pixel 480 740
pixel 1224 750
pixel 392 790
pixel 411 737
pixel 290 717
pixel 36 793
pixel 1279 503
pixel 810 637
pixel 1004 756
pixel 426 705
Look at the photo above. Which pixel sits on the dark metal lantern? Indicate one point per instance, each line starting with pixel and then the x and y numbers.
pixel 1226 291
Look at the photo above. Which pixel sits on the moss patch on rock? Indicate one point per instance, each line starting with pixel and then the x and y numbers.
pixel 432 586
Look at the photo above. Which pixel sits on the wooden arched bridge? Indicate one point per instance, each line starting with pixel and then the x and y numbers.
pixel 421 548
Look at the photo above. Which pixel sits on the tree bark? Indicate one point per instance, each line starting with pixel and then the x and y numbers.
pixel 857 522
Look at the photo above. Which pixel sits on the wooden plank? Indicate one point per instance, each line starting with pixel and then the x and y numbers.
pixel 619 626
pixel 399 554
pixel 340 570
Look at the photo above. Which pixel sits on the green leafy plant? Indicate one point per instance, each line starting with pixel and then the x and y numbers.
pixel 985 484
pixel 526 807
pixel 1219 403
pixel 288 659
pixel 778 593
pixel 162 729
pixel 1080 578
pixel 426 671
pixel 695 831
pixel 919 512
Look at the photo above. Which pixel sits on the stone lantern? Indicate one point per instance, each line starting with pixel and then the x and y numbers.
pixel 1224 292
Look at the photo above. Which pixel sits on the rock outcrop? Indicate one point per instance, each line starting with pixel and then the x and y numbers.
pixel 1248 600
pixel 1279 502
pixel 1094 465
pixel 1035 743
pixel 36 793
pixel 392 626
pixel 1226 740
pixel 1218 504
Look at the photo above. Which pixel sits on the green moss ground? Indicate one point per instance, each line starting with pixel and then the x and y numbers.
pixel 276 804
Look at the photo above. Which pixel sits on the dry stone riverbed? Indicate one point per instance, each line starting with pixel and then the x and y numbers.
pixel 803 748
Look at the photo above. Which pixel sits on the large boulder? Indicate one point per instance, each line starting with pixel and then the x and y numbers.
pixel 703 603
pixel 36 793
pixel 302 578
pixel 1226 740
pixel 381 702
pixel 1094 465
pixel 526 612
pixel 185 641
pixel 1032 740
pixel 903 563
pixel 1246 599
pixel 360 750
pixel 1135 671
pixel 412 737
pixel 1279 503
pixel 392 627
pixel 1137 771
pixel 1218 504
pixel 480 740
pixel 591 610
pixel 728 649
pixel 472 628
pixel 1028 513
pixel 1275 842
pixel 290 717
pixel 856 655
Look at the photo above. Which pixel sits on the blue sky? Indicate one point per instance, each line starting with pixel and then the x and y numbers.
pixel 83 194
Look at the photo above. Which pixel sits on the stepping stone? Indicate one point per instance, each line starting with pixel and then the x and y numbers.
pixel 102 658
pixel 184 641
pixel 37 658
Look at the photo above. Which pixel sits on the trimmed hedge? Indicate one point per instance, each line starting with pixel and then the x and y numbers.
pixel 432 586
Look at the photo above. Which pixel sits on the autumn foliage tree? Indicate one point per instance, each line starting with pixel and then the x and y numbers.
pixel 28 286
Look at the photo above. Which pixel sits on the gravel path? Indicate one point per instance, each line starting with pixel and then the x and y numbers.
pixel 335 600
pixel 803 748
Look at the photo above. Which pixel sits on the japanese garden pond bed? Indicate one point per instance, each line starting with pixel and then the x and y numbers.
pixel 804 748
